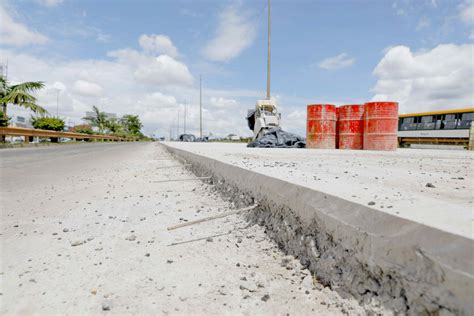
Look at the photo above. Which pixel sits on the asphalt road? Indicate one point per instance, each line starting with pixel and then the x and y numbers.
pixel 83 231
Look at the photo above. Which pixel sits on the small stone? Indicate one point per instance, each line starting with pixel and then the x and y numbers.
pixel 265 298
pixel 77 243
pixel 371 203
pixel 131 238
pixel 285 262
pixel 147 255
pixel 169 261
pixel 430 185
pixel 105 307
pixel 209 239
pixel 65 230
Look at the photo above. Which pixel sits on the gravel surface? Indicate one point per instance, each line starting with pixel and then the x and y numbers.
pixel 83 231
pixel 432 187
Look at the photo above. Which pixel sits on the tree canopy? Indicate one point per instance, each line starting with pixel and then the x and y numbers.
pixel 132 124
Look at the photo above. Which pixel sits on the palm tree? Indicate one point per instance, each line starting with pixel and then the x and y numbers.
pixel 99 119
pixel 20 95
pixel 114 126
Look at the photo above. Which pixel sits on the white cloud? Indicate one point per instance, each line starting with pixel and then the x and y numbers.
pixel 13 33
pixel 466 12
pixel 164 70
pixel 427 80
pixel 161 70
pixel 159 100
pixel 86 88
pixel 235 32
pixel 221 102
pixel 131 82
pixel 337 62
pixel 50 3
pixel 158 44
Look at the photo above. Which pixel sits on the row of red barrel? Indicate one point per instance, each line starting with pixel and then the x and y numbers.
pixel 370 126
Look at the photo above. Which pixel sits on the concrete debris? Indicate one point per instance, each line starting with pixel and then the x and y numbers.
pixel 187 138
pixel 278 138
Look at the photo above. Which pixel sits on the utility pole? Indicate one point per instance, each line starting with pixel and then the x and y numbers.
pixel 171 131
pixel 177 126
pixel 184 123
pixel 200 106
pixel 268 48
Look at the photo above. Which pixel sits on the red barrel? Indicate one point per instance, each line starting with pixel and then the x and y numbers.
pixel 337 128
pixel 321 126
pixel 380 125
pixel 351 126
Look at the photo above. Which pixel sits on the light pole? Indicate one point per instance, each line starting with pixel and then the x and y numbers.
pixel 184 123
pixel 268 52
pixel 177 126
pixel 200 106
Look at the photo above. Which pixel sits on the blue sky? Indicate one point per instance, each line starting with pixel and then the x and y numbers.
pixel 419 53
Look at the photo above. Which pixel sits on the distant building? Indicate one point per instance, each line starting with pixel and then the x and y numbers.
pixel 20 121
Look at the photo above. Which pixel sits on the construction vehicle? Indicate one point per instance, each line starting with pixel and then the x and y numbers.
pixel 264 117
